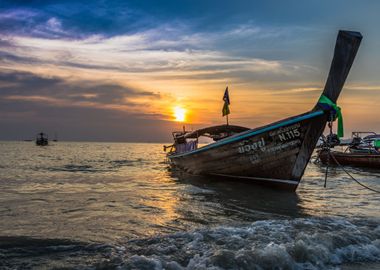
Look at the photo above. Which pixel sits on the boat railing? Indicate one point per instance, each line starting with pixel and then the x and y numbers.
pixel 356 134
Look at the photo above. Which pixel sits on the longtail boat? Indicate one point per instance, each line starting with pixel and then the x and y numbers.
pixel 276 154
pixel 360 152
pixel 360 159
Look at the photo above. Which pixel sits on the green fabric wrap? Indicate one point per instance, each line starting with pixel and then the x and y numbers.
pixel 377 143
pixel 326 100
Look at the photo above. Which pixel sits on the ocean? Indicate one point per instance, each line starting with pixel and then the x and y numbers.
pixel 80 205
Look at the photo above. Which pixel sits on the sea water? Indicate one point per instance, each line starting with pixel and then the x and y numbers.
pixel 120 206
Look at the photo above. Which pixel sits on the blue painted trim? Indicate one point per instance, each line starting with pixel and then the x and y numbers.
pixel 249 134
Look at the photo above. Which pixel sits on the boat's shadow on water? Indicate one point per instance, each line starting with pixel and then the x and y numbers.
pixel 243 199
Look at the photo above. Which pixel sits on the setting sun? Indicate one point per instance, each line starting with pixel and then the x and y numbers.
pixel 179 114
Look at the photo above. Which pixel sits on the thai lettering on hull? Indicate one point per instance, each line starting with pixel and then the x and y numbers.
pixel 251 146
pixel 280 139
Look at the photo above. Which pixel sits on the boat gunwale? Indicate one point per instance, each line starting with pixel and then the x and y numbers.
pixel 356 155
pixel 251 132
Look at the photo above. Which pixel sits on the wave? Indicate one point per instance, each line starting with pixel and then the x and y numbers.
pixel 22 252
pixel 307 243
pixel 303 243
pixel 127 162
pixel 78 168
pixel 99 166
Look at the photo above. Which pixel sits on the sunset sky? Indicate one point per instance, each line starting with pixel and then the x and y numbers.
pixel 118 70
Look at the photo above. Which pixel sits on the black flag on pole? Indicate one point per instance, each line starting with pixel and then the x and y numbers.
pixel 226 99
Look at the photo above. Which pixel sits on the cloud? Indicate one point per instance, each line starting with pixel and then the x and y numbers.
pixel 135 59
pixel 70 19
pixel 77 110
pixel 22 119
pixel 161 52
pixel 92 72
pixel 30 22
pixel 56 91
pixel 143 47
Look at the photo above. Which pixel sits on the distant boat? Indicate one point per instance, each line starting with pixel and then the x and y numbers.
pixel 42 139
pixel 368 144
pixel 360 152
pixel 276 154
pixel 55 137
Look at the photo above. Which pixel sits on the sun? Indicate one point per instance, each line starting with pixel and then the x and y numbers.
pixel 179 114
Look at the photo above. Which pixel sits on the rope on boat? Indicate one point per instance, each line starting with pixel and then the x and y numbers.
pixel 335 112
pixel 327 168
pixel 328 148
pixel 353 178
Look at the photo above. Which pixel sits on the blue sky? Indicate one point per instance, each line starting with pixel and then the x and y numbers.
pixel 113 70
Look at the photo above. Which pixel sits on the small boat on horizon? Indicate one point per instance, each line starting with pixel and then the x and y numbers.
pixel 42 139
pixel 55 137
pixel 276 154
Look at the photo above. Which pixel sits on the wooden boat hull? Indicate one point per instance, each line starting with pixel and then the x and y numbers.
pixel 42 142
pixel 351 159
pixel 276 154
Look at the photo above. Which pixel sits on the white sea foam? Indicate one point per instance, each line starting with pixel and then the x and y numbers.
pixel 307 243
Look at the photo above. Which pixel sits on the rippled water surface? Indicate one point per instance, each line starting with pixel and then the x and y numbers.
pixel 109 205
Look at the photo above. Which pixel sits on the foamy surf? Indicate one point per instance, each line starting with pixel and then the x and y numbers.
pixel 304 243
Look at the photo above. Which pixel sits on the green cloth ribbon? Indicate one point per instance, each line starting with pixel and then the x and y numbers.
pixel 326 100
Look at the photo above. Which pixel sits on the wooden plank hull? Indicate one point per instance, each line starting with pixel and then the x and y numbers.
pixel 351 159
pixel 275 155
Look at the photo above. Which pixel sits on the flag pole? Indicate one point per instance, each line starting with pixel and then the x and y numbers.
pixel 226 99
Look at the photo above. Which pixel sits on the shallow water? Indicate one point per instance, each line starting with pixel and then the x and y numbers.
pixel 108 205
